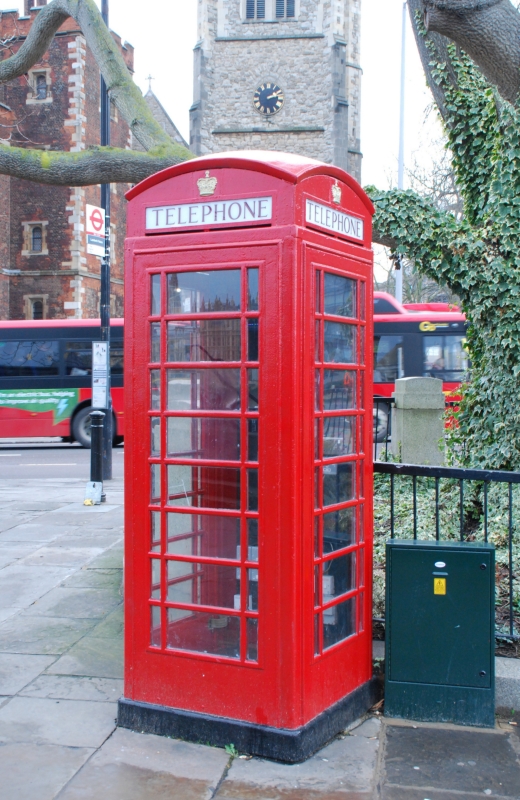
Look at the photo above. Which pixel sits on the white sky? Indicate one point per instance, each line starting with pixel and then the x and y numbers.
pixel 164 33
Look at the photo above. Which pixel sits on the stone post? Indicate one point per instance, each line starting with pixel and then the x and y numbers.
pixel 417 421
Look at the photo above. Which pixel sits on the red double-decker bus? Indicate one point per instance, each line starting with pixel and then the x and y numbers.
pixel 46 376
pixel 419 339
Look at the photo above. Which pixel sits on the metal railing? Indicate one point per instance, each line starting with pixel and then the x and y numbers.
pixel 466 513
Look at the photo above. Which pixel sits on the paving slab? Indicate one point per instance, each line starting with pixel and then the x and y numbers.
pixel 78 603
pixel 66 687
pixel 21 585
pixel 132 766
pixel 31 772
pixel 91 657
pixel 346 765
pixel 60 553
pixel 72 723
pixel 42 636
pixel 17 670
pixel 111 559
pixel 11 552
pixel 94 578
pixel 79 508
pixel 449 759
pixel 111 627
pixel 30 532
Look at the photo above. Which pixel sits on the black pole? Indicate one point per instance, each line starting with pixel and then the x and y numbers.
pixel 96 450
pixel 105 271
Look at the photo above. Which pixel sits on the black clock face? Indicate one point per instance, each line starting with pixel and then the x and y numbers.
pixel 268 99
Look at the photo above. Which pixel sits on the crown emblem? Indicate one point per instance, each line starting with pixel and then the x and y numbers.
pixel 336 193
pixel 207 185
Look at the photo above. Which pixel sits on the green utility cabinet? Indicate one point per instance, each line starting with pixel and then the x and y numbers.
pixel 440 637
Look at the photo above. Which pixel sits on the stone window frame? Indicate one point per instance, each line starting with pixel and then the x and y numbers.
pixel 27 238
pixel 32 77
pixel 30 299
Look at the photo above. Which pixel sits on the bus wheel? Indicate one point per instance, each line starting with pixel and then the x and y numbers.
pixel 81 427
pixel 380 427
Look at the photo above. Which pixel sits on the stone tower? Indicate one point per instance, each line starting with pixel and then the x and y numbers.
pixel 278 75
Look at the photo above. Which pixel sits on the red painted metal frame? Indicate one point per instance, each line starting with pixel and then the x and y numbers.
pixel 290 684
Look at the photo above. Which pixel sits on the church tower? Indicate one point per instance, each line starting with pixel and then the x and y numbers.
pixel 278 75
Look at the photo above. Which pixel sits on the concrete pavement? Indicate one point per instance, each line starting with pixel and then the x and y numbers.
pixel 61 676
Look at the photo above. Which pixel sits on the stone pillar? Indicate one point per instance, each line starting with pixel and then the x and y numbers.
pixel 418 421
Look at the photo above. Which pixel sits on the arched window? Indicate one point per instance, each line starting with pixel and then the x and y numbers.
pixel 255 9
pixel 36 239
pixel 37 309
pixel 41 87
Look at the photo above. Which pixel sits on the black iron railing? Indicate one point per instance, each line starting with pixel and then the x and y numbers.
pixel 451 502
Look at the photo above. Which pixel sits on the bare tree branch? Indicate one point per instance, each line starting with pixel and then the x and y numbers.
pixel 487 30
pixel 97 165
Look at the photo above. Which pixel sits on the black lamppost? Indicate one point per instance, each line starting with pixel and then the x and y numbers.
pixel 105 271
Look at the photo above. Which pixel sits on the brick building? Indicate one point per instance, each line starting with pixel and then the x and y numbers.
pixel 45 270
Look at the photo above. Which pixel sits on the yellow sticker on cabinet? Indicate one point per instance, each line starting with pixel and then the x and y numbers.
pixel 439 585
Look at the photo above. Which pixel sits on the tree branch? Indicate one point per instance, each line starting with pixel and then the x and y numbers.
pixel 73 169
pixel 488 31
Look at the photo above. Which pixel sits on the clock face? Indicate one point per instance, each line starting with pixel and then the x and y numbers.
pixel 268 99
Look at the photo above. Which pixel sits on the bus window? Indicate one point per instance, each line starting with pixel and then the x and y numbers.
pixel 78 358
pixel 445 357
pixel 388 358
pixel 116 358
pixel 28 358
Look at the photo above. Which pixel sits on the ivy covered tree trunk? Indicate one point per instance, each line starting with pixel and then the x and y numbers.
pixel 479 257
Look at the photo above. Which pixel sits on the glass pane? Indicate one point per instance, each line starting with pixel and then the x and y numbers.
pixel 317 585
pixel 155 389
pixel 202 584
pixel 155 483
pixel 317 487
pixel 252 289
pixel 317 341
pixel 155 310
pixel 339 529
pixel 204 437
pixel 339 343
pixel 209 536
pixel 317 390
pixel 155 626
pixel 340 295
pixel 209 389
pixel 252 539
pixel 339 436
pixel 252 389
pixel 362 332
pixel 339 622
pixel 318 292
pixel 202 632
pixel 209 487
pixel 155 437
pixel 317 424
pixel 155 522
pixel 29 359
pixel 361 482
pixel 116 358
pixel 204 340
pixel 77 358
pixel 196 292
pixel 339 576
pixel 316 634
pixel 362 300
pixel 361 567
pixel 252 489
pixel 445 357
pixel 361 522
pixel 156 579
pixel 338 483
pixel 155 342
pixel 252 596
pixel 252 339
pixel 317 552
pixel 252 440
pixel 386 358
pixel 252 640
pixel 339 389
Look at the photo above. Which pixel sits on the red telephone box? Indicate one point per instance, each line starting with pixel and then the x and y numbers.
pixel 248 383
